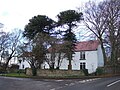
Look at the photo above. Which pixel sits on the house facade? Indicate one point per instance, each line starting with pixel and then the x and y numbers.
pixel 88 55
pixel 23 64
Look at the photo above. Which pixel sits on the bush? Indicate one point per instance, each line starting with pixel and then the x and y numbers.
pixel 13 69
pixel 21 71
pixel 99 71
pixel 14 66
pixel 2 70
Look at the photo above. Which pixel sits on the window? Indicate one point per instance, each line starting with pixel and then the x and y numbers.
pixel 83 65
pixel 23 66
pixel 82 55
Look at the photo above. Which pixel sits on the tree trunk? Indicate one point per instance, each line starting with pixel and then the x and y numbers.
pixel 8 59
pixel 103 51
pixel 70 59
pixel 6 65
pixel 34 71
pixel 104 54
pixel 113 59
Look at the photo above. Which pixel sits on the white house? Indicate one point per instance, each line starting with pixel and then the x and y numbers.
pixel 88 55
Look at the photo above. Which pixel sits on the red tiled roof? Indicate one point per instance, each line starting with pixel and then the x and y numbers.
pixel 87 45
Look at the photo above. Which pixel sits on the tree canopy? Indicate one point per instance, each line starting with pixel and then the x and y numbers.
pixel 38 24
pixel 69 17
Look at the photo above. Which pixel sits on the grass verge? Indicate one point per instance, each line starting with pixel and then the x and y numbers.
pixel 19 75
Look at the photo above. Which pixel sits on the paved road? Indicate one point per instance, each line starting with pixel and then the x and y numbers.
pixel 100 84
pixel 7 83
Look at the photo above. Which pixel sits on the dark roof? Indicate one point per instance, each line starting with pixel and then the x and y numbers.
pixel 87 45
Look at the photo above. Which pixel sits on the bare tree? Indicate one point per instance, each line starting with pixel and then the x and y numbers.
pixel 9 43
pixel 26 53
pixel 95 20
pixel 103 20
pixel 4 41
pixel 112 14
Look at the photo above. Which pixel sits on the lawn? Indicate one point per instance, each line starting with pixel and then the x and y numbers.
pixel 21 75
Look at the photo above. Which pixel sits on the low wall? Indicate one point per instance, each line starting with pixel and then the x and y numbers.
pixel 28 71
pixel 56 73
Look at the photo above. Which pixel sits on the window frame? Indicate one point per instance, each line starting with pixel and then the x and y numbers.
pixel 23 66
pixel 82 65
pixel 82 55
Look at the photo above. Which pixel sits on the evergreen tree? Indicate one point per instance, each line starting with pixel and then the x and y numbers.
pixel 69 19
pixel 39 24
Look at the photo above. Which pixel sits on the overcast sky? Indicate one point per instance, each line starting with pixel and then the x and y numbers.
pixel 16 13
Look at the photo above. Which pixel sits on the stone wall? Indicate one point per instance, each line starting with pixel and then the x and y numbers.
pixel 29 71
pixel 56 73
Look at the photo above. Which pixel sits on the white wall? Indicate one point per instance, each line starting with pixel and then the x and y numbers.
pixel 100 57
pixel 91 61
pixel 25 64
pixel 64 64
pixel 13 61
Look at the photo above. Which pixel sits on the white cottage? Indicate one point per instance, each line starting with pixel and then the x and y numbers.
pixel 88 55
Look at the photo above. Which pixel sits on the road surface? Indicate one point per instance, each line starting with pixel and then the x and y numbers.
pixel 8 83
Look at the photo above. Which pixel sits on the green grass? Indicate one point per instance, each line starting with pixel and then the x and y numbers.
pixel 21 75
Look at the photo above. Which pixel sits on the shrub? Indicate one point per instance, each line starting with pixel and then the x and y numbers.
pixel 14 66
pixel 2 70
pixel 13 69
pixel 21 71
pixel 99 71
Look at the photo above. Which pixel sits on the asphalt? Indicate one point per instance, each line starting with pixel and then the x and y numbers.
pixel 109 83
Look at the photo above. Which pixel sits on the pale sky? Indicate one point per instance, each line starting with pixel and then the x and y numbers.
pixel 16 13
